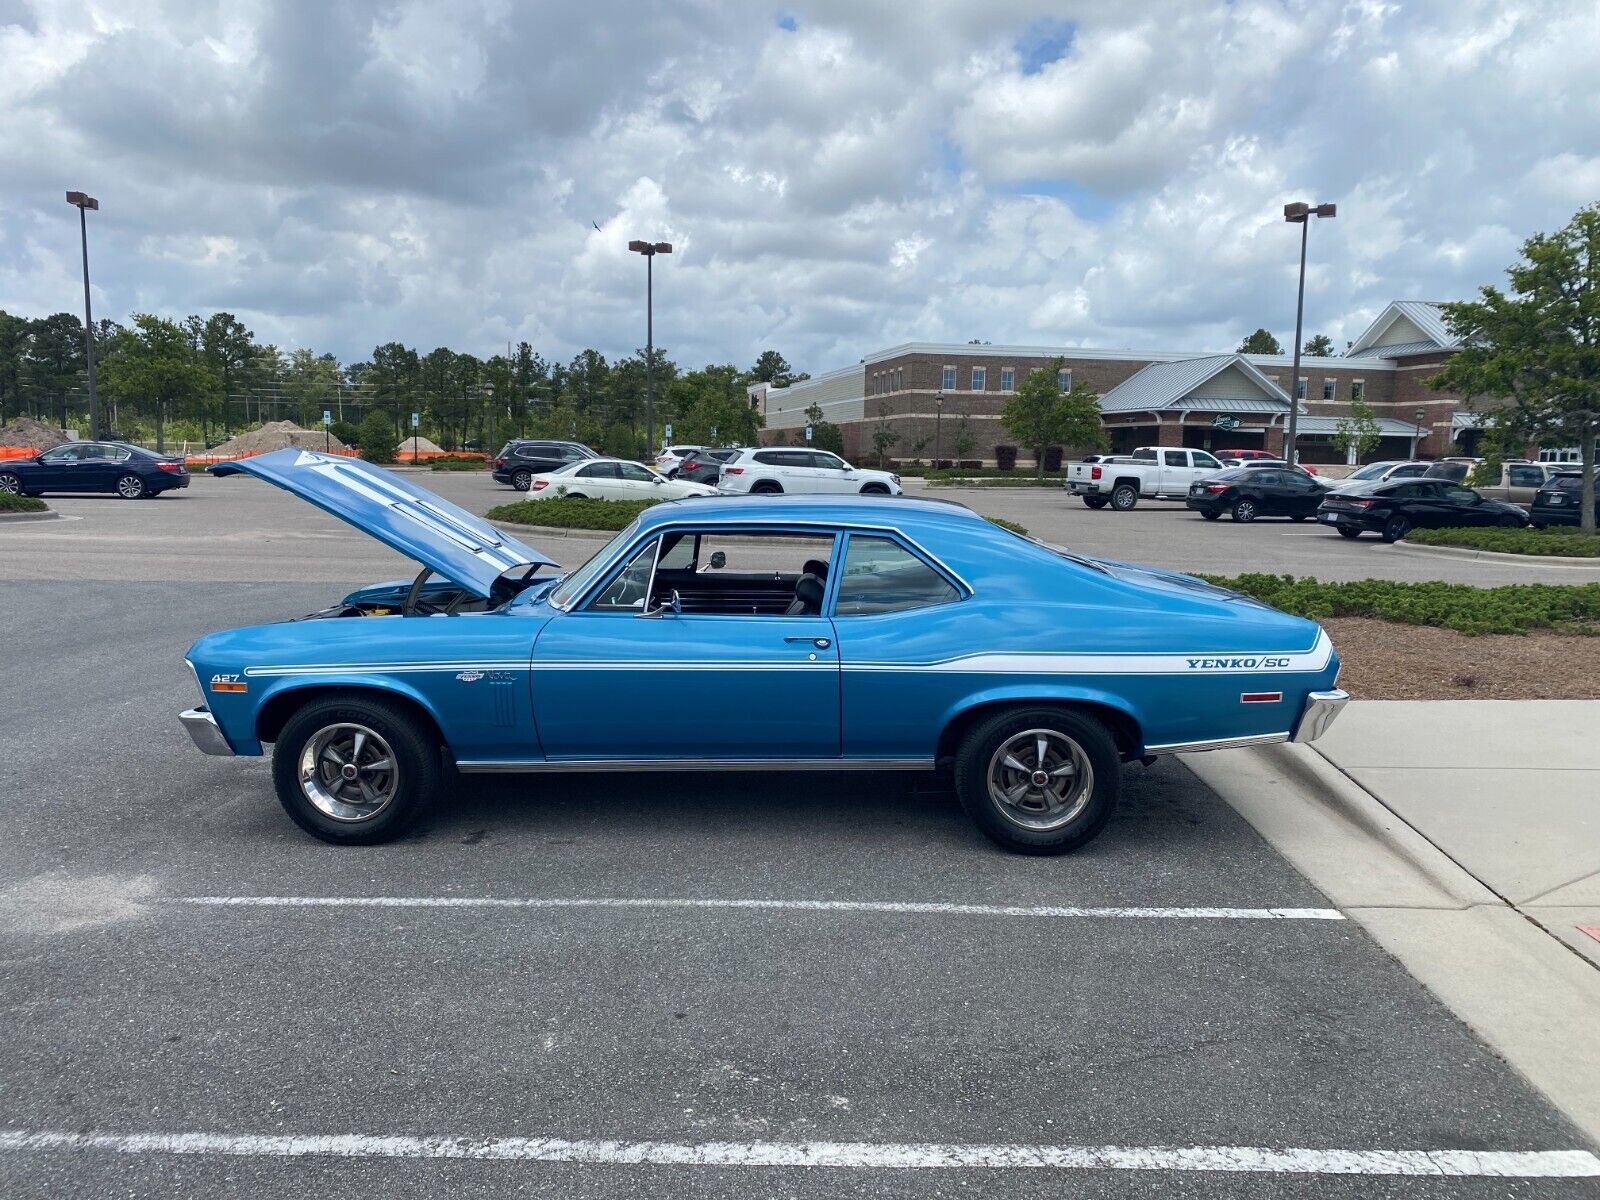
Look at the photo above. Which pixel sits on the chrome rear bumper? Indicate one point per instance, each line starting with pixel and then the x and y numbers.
pixel 203 731
pixel 1320 710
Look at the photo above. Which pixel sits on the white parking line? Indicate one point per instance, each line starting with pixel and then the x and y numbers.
pixel 866 906
pixel 1506 1164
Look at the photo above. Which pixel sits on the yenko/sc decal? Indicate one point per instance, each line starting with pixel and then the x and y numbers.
pixel 1236 664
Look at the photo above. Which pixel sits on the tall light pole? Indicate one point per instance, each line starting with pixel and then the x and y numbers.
pixel 650 250
pixel 83 203
pixel 938 415
pixel 1301 214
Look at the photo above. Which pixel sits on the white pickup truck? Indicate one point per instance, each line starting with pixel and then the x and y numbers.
pixel 1151 472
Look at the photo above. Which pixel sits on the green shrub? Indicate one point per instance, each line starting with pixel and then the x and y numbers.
pixel 1005 524
pixel 955 479
pixel 10 503
pixel 1568 542
pixel 452 462
pixel 377 439
pixel 1568 607
pixel 562 513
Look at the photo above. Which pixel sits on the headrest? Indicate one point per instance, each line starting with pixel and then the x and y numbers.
pixel 815 566
pixel 809 592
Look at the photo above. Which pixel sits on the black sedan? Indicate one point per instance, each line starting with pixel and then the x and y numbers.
pixel 1560 501
pixel 521 459
pixel 1394 509
pixel 131 472
pixel 1245 493
pixel 702 466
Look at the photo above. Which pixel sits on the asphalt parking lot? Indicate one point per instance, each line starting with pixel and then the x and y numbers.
pixel 651 985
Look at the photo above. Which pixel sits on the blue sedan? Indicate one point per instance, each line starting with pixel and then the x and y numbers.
pixel 131 472
pixel 816 634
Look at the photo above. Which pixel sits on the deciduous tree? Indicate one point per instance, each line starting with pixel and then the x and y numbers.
pixel 1039 414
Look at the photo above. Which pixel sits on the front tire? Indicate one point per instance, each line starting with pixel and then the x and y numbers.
pixel 11 484
pixel 1210 514
pixel 131 487
pixel 522 480
pixel 355 772
pixel 1244 511
pixel 1094 501
pixel 1124 497
pixel 1039 780
pixel 874 489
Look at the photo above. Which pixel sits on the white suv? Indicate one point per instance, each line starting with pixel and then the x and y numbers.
pixel 773 469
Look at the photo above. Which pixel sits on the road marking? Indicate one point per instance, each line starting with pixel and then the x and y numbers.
pixel 866 906
pixel 1507 1164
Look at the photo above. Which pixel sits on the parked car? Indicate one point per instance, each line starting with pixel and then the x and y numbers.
pixel 1395 508
pixel 1379 472
pixel 1520 481
pixel 520 460
pixel 669 458
pixel 928 638
pixel 612 479
pixel 1274 463
pixel 1251 458
pixel 1560 501
pixel 131 472
pixel 771 470
pixel 1261 490
pixel 1158 472
pixel 703 466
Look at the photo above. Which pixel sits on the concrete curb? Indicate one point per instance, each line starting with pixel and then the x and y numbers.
pixel 1558 561
pixel 1525 993
pixel 552 531
pixel 48 514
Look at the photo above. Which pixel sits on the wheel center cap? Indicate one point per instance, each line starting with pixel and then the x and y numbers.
pixel 348 770
pixel 1039 779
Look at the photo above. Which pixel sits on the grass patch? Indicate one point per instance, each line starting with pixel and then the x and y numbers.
pixel 10 503
pixel 1011 525
pixel 1519 608
pixel 451 463
pixel 562 513
pixel 1567 542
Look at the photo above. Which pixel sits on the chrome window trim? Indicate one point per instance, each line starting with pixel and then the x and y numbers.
pixel 533 766
pixel 772 523
pixel 836 578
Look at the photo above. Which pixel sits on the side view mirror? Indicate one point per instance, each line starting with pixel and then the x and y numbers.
pixel 658 480
pixel 718 560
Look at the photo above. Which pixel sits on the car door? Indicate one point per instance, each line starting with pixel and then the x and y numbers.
pixel 1301 494
pixel 1463 506
pixel 638 483
pixel 1523 480
pixel 598 481
pixel 1175 474
pixel 621 676
pixel 833 474
pixel 100 466
pixel 55 470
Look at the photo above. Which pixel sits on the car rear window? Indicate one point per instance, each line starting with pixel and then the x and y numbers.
pixel 1568 483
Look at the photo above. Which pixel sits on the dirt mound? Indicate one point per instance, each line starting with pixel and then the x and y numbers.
pixel 277 435
pixel 25 431
pixel 423 446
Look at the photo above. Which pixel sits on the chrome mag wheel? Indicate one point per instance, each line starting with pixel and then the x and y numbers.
pixel 1040 779
pixel 130 487
pixel 348 772
pixel 10 485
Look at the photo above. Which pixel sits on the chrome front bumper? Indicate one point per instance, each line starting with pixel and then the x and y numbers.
pixel 1320 710
pixel 203 731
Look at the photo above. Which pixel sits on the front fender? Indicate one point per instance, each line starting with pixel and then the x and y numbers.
pixel 279 692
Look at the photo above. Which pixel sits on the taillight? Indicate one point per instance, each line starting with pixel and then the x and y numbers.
pixel 1094 472
pixel 539 485
pixel 733 470
pixel 1361 503
pixel 168 466
pixel 1214 488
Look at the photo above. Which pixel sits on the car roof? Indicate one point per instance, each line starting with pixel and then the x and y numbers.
pixel 899 511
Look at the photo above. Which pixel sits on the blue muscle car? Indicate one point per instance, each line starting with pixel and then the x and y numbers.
pixel 808 634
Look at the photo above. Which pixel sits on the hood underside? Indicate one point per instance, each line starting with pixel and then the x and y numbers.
pixel 427 528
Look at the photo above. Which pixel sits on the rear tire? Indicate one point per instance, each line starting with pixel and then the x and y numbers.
pixel 1509 522
pixel 765 488
pixel 1244 511
pixel 1396 528
pixel 1298 516
pixel 1124 497
pixel 131 487
pixel 576 496
pixel 1094 501
pixel 311 782
pixel 1080 763
pixel 1346 531
pixel 522 480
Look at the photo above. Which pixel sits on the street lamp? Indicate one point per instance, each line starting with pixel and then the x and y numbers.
pixel 1422 415
pixel 83 203
pixel 650 250
pixel 938 414
pixel 1300 214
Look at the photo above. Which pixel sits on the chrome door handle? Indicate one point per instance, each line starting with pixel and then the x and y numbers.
pixel 819 643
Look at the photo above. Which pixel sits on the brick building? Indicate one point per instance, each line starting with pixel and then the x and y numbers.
pixel 922 392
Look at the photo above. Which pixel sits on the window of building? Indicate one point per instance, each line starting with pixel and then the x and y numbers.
pixel 980 378
pixel 1358 390
pixel 1064 379
pixel 899 378
pixel 882 576
pixel 949 383
pixel 1300 388
pixel 1008 379
pixel 1327 389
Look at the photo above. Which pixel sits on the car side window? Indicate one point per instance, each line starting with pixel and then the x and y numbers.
pixel 882 576
pixel 1205 460
pixel 1461 495
pixel 1525 476
pixel 1175 458
pixel 1408 472
pixel 632 584
pixel 634 472
pixel 828 462
pixel 62 454
pixel 597 471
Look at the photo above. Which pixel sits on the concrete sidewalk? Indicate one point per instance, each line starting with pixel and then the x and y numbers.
pixel 1509 789
pixel 1464 836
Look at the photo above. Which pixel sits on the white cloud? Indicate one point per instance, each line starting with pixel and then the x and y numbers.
pixel 342 174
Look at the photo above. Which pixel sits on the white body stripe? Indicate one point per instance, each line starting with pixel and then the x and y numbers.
pixel 1503 1164
pixel 864 906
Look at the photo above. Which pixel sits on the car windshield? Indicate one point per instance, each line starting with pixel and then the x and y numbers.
pixel 1232 473
pixel 568 588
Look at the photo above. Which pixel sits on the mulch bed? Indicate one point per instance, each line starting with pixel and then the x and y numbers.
pixel 1388 661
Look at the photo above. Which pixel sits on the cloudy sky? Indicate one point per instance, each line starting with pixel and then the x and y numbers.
pixel 835 176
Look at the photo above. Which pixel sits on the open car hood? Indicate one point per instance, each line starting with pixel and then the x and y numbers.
pixel 464 549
